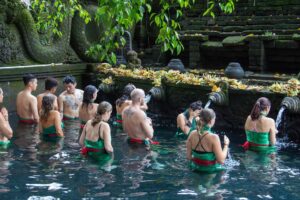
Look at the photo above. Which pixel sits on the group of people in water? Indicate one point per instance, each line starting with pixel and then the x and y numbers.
pixel 203 148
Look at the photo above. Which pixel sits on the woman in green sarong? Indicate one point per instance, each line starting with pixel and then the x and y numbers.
pixel 186 121
pixel 88 108
pixel 6 132
pixel 204 148
pixel 260 129
pixel 96 137
pixel 50 124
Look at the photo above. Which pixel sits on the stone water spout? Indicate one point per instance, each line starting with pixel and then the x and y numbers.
pixel 292 104
pixel 155 92
pixel 219 98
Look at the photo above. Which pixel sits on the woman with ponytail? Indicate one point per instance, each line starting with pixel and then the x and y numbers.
pixel 96 138
pixel 50 121
pixel 260 129
pixel 88 108
pixel 204 148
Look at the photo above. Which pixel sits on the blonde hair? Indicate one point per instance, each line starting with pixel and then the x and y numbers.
pixel 205 116
pixel 47 106
pixel 103 107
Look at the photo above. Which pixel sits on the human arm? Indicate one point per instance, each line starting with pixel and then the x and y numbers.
pixel 35 113
pixel 57 123
pixel 107 138
pixel 273 132
pixel 82 136
pixel 181 123
pixel 217 148
pixel 55 104
pixel 189 146
pixel 5 128
pixel 60 102
pixel 146 125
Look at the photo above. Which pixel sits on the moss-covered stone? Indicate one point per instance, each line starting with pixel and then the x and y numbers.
pixel 234 41
pixel 212 44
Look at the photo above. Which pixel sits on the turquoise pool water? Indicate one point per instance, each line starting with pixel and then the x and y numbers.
pixel 32 169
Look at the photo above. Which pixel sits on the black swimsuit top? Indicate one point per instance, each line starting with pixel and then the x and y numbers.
pixel 199 142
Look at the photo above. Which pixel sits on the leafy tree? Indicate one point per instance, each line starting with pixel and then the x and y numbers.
pixel 123 14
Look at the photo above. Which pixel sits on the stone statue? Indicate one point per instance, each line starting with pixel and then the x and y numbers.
pixel 132 60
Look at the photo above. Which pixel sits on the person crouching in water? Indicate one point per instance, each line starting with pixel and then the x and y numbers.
pixel 204 148
pixel 88 108
pixel 260 129
pixel 50 124
pixel 6 132
pixel 96 137
pixel 186 121
pixel 135 122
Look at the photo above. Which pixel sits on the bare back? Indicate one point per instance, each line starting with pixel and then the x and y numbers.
pixel 124 105
pixel 203 143
pixel 87 113
pixel 27 105
pixel 53 119
pixel 136 124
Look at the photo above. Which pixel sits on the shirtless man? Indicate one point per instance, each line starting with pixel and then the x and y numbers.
pixel 50 88
pixel 135 122
pixel 70 99
pixel 26 102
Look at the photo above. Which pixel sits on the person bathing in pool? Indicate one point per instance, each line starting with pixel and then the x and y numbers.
pixel 26 102
pixel 123 102
pixel 186 121
pixel 50 88
pixel 96 137
pixel 204 148
pixel 50 124
pixel 88 108
pixel 70 99
pixel 260 129
pixel 6 132
pixel 135 122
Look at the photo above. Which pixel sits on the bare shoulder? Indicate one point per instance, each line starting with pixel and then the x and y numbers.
pixel 214 137
pixel 193 134
pixel 62 94
pixel 55 113
pixel 32 97
pixel 105 125
pixel 180 116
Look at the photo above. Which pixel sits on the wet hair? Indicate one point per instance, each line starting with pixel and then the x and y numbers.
pixel 261 104
pixel 69 79
pixel 27 78
pixel 126 94
pixel 205 116
pixel 50 83
pixel 103 107
pixel 197 105
pixel 88 96
pixel 47 106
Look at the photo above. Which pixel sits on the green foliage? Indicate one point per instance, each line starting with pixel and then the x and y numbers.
pixel 120 16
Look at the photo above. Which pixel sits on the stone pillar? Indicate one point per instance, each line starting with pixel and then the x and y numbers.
pixel 194 54
pixel 257 57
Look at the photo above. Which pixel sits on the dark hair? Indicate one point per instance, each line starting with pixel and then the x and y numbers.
pixel 27 78
pixel 261 104
pixel 47 106
pixel 205 116
pixel 88 95
pixel 126 94
pixel 69 79
pixel 50 83
pixel 197 105
pixel 103 107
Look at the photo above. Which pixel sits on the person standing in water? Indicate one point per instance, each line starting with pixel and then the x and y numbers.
pixel 26 102
pixel 186 121
pixel 70 99
pixel 260 129
pixel 50 121
pixel 135 122
pixel 88 108
pixel 96 137
pixel 204 148
pixel 50 88
pixel 6 132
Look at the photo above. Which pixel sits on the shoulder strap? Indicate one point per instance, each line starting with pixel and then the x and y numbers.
pixel 199 142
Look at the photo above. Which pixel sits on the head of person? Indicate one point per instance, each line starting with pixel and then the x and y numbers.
pixel 126 94
pixel 47 106
pixel 89 95
pixel 30 81
pixel 207 118
pixel 195 108
pixel 103 113
pixel 261 107
pixel 70 84
pixel 1 95
pixel 137 96
pixel 51 84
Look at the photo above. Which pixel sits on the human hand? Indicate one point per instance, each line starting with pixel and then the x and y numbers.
pixel 226 140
